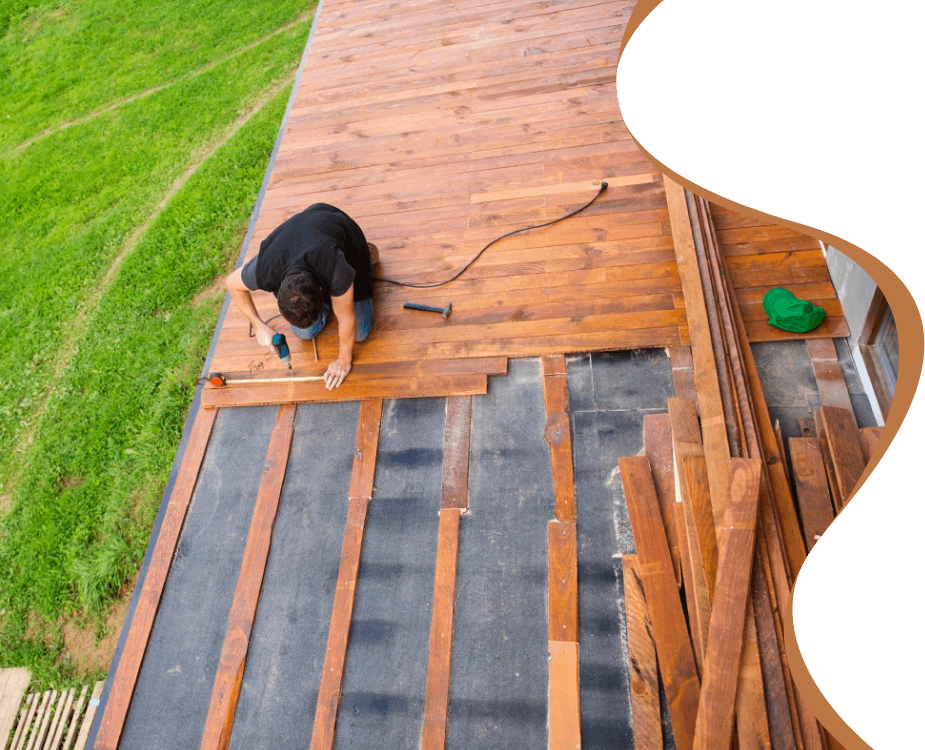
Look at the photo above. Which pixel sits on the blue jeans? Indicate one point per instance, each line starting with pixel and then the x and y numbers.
pixel 364 315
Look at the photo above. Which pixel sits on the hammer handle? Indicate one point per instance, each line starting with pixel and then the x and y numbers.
pixel 425 308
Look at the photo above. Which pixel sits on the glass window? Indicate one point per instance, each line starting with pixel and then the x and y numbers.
pixel 886 344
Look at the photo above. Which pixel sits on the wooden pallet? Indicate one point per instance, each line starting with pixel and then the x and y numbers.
pixel 49 720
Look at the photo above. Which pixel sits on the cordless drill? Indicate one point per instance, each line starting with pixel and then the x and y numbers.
pixel 282 349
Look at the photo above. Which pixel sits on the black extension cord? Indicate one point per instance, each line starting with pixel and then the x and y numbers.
pixel 477 255
pixel 497 239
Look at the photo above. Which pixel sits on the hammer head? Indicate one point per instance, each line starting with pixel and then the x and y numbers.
pixel 446 310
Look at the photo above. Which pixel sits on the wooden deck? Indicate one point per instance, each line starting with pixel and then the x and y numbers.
pixel 439 128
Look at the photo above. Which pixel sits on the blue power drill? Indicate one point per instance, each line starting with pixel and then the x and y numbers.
pixel 282 349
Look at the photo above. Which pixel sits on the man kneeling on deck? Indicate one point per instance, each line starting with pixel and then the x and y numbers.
pixel 315 261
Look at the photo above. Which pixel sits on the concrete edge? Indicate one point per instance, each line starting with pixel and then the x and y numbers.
pixel 197 397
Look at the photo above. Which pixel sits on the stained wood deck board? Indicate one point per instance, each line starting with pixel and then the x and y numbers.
pixel 438 129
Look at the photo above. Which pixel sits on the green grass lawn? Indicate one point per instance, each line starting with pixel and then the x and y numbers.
pixel 103 327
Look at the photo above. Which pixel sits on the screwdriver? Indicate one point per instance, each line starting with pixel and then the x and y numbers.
pixel 282 349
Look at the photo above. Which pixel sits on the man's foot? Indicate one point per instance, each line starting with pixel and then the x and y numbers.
pixel 373 253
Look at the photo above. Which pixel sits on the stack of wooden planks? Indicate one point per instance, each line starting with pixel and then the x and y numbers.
pixel 718 535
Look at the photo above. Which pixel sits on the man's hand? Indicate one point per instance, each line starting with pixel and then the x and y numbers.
pixel 264 334
pixel 335 374
pixel 241 296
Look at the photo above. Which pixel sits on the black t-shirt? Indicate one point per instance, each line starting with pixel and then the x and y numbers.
pixel 322 239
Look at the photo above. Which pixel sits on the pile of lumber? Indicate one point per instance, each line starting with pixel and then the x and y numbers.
pixel 719 538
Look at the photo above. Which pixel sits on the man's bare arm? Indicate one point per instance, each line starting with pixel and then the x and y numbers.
pixel 241 296
pixel 346 334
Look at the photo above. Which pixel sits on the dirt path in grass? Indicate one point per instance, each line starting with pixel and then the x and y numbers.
pixel 17 150
pixel 78 327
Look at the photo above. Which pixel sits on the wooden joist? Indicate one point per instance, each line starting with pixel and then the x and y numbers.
pixel 360 495
pixel 559 435
pixel 564 704
pixel 227 686
pixel 436 699
pixel 123 685
pixel 455 485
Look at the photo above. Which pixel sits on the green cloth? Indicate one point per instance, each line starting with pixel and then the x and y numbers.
pixel 790 313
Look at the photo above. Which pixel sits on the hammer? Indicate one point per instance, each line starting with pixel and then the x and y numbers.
pixel 444 311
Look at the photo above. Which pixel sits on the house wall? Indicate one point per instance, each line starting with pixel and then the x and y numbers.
pixel 855 289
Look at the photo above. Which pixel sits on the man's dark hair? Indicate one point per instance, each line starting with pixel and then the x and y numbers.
pixel 300 299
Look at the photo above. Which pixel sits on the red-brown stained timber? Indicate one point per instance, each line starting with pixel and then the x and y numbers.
pixel 563 581
pixel 559 435
pixel 455 493
pixel 656 430
pixel 844 447
pixel 812 488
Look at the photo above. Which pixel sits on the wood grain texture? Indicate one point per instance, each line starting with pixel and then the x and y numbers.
pixel 779 719
pixel 563 581
pixel 455 484
pixel 81 741
pixel 869 437
pixel 710 402
pixel 364 453
pixel 123 685
pixel 698 495
pixel 424 386
pixel 72 730
pixel 25 716
pixel 695 587
pixel 227 686
pixel 753 729
pixel 812 488
pixel 34 721
pixel 716 711
pixel 837 497
pixel 42 721
pixel 645 703
pixel 55 720
pixel 360 494
pixel 844 447
pixel 64 720
pixel 13 684
pixel 433 163
pixel 564 698
pixel 436 699
pixel 830 379
pixel 656 431
pixel 669 629
pixel 559 435
pixel 332 674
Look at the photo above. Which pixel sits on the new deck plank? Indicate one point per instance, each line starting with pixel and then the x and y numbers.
pixel 716 711
pixel 644 693
pixel 812 488
pixel 845 449
pixel 673 646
